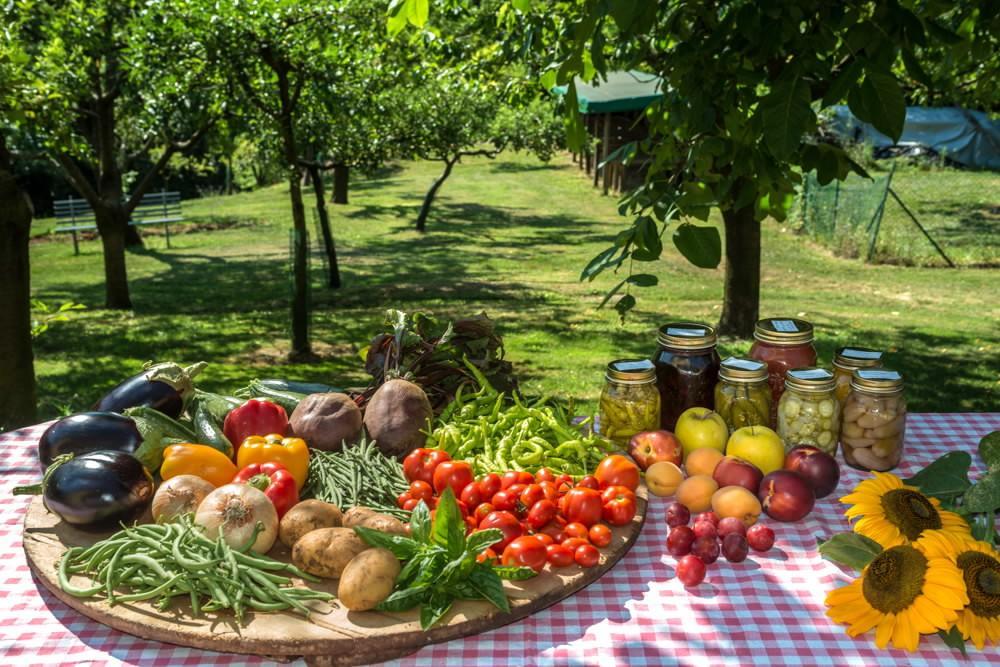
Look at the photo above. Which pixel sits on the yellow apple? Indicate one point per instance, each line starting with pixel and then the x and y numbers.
pixel 700 427
pixel 759 445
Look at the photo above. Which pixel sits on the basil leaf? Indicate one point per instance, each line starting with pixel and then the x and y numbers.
pixel 463 590
pixel 433 609
pixel 489 586
pixel 406 598
pixel 481 540
pixel 514 572
pixel 448 529
pixel 850 549
pixel 946 478
pixel 401 546
pixel 420 522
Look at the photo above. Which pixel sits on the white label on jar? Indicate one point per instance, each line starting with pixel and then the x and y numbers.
pixel 743 364
pixel 693 333
pixel 784 325
pixel 638 365
pixel 861 354
pixel 811 374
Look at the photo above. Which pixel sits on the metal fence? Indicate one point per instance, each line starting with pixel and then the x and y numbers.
pixel 844 216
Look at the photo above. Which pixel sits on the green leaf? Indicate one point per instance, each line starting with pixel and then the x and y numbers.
pixel 989 449
pixel 490 586
pixel 521 5
pixel 884 103
pixel 448 529
pixel 984 496
pixel 941 33
pixel 624 305
pixel 844 81
pixel 643 280
pixel 434 609
pixel 945 478
pixel 420 522
pixel 514 572
pixel 701 245
pixel 647 240
pixel 602 261
pixel 915 69
pixel 576 133
pixel 953 639
pixel 850 549
pixel 403 547
pixel 614 290
pixel 481 540
pixel 624 12
pixel 787 116
pixel 406 598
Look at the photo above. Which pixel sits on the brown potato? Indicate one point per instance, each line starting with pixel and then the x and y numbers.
pixel 368 579
pixel 384 523
pixel 327 551
pixel 356 516
pixel 305 517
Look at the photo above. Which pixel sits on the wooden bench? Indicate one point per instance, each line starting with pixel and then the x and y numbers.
pixel 155 208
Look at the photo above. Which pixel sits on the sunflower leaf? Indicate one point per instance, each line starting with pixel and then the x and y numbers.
pixel 984 496
pixel 850 549
pixel 953 638
pixel 989 449
pixel 946 478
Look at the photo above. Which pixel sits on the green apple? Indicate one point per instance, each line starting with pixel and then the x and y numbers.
pixel 700 427
pixel 759 445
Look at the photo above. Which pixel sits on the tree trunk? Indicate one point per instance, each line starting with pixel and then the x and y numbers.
pixel 341 180
pixel 741 301
pixel 324 225
pixel 425 209
pixel 112 222
pixel 229 174
pixel 17 368
pixel 132 237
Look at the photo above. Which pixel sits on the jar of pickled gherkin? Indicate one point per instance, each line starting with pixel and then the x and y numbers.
pixel 630 402
pixel 808 412
pixel 687 369
pixel 742 395
pixel 782 344
pixel 847 360
pixel 874 420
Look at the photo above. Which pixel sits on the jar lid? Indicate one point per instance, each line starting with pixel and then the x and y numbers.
pixel 809 379
pixel 877 380
pixel 631 371
pixel 743 370
pixel 849 358
pixel 687 335
pixel 783 331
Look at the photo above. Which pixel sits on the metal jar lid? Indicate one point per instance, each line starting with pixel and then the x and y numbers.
pixel 849 358
pixel 783 331
pixel 809 379
pixel 742 370
pixel 686 335
pixel 631 371
pixel 877 380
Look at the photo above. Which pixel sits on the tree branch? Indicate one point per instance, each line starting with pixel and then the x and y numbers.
pixel 174 146
pixel 244 81
pixel 142 150
pixel 76 177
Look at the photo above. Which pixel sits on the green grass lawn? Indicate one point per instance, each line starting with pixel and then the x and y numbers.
pixel 510 237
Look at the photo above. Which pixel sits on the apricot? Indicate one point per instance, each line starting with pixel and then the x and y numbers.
pixel 663 478
pixel 702 461
pixel 735 501
pixel 696 491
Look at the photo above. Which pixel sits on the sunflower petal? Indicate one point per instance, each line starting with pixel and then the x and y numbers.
pixel 862 624
pixel 945 597
pixel 884 632
pixel 904 636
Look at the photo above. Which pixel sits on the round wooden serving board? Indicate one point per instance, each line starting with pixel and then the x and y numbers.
pixel 334 636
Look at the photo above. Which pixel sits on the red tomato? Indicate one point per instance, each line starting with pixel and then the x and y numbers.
pixel 617 470
pixel 489 484
pixel 600 535
pixel 454 474
pixel 487 556
pixel 432 503
pixel 504 501
pixel 512 477
pixel 586 555
pixel 550 490
pixel 577 529
pixel 482 510
pixel 526 551
pixel 516 489
pixel 573 542
pixel 545 475
pixel 589 482
pixel 508 525
pixel 421 490
pixel 583 505
pixel 410 504
pixel 531 495
pixel 546 539
pixel 563 479
pixel 402 498
pixel 559 555
pixel 421 463
pixel 471 525
pixel 472 495
pixel 541 513
pixel 463 508
pixel 619 505
pixel 552 529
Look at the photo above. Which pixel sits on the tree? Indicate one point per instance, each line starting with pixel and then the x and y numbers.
pixel 742 84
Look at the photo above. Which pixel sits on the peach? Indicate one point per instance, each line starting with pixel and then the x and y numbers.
pixel 696 491
pixel 702 461
pixel 737 502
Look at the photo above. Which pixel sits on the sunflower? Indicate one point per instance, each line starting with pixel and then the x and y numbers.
pixel 893 513
pixel 980 566
pixel 904 592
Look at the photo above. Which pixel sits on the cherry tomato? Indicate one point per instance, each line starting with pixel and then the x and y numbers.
pixel 545 475
pixel 516 489
pixel 546 539
pixel 619 505
pixel 559 555
pixel 472 495
pixel 531 495
pixel 577 529
pixel 552 529
pixel 563 479
pixel 504 501
pixel 454 474
pixel 617 470
pixel 402 498
pixel 600 535
pixel 432 503
pixel 421 490
pixel 471 525
pixel 586 555
pixel 589 482
pixel 508 479
pixel 489 484
pixel 573 542
pixel 410 504
pixel 421 463
pixel 488 556
pixel 463 508
pixel 550 490
pixel 526 551
pixel 482 510
pixel 541 513
pixel 508 525
pixel 583 505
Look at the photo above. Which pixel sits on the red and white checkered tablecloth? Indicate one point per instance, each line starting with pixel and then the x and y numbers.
pixel 766 610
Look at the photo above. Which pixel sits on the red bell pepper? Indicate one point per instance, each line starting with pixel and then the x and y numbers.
pixel 275 481
pixel 255 417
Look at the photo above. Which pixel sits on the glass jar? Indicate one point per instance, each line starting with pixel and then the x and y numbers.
pixel 782 344
pixel 808 412
pixel 630 402
pixel 874 420
pixel 687 368
pixel 847 360
pixel 742 395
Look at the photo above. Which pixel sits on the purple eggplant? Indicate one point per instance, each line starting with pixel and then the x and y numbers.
pixel 164 387
pixel 88 432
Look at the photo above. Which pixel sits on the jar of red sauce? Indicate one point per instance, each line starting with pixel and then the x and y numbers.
pixel 687 369
pixel 782 343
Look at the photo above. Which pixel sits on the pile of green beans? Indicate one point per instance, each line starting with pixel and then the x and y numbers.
pixel 495 433
pixel 358 475
pixel 164 561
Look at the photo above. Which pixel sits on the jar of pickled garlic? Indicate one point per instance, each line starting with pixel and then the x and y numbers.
pixel 782 344
pixel 874 420
pixel 847 360
pixel 687 368
pixel 742 395
pixel 630 402
pixel 808 412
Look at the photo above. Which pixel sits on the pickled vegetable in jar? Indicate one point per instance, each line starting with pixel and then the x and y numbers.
pixel 874 420
pixel 808 412
pixel 846 361
pixel 782 344
pixel 630 402
pixel 687 369
pixel 742 395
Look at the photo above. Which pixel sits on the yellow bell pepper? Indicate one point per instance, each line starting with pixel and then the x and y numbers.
pixel 289 452
pixel 199 460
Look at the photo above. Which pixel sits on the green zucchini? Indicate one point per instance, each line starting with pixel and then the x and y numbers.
pixel 217 405
pixel 299 387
